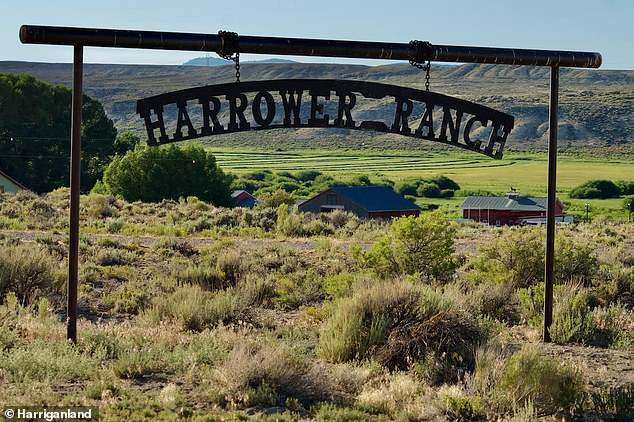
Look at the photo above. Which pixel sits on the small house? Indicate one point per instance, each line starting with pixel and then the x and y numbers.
pixel 243 199
pixel 508 210
pixel 9 184
pixel 363 201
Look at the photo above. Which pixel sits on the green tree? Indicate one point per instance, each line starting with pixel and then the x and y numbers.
pixel 428 190
pixel 307 175
pixel 155 173
pixel 444 182
pixel 422 245
pixel 625 186
pixel 35 134
pixel 361 180
pixel 601 189
pixel 125 142
pixel 275 199
pixel 406 187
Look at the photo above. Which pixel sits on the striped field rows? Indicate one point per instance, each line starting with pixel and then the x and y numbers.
pixel 236 161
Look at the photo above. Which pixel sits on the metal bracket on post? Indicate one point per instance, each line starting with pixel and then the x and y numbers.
pixel 549 276
pixel 75 175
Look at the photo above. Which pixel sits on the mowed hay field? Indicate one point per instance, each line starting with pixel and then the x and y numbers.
pixel 526 172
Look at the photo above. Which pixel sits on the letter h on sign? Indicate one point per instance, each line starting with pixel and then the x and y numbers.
pixel 151 126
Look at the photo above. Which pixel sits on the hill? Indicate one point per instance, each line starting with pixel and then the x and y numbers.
pixel 216 61
pixel 595 105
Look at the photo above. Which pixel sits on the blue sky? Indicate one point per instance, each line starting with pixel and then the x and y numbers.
pixel 606 26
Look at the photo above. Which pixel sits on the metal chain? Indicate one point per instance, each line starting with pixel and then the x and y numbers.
pixel 422 51
pixel 237 60
pixel 230 49
pixel 427 69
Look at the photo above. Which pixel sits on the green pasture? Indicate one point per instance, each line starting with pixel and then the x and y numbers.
pixel 526 172
pixel 523 171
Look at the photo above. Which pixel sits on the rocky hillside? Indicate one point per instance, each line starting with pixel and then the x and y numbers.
pixel 596 105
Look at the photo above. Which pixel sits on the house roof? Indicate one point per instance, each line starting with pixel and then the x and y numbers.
pixel 237 193
pixel 519 203
pixel 12 180
pixel 376 198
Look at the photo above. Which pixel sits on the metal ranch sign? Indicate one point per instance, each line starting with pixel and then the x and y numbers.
pixel 320 103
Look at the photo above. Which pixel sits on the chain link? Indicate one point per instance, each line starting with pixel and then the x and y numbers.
pixel 237 60
pixel 427 70
pixel 422 51
pixel 230 49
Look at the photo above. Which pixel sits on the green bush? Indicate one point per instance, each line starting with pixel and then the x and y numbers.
pixel 29 271
pixel 428 190
pixel 155 173
pixel 444 183
pixel 421 245
pixel 194 308
pixel 97 389
pixel 494 300
pixel 337 286
pixel 290 223
pixel 405 188
pixel 100 206
pixel 209 278
pixel 600 189
pixel 114 257
pixel 230 265
pixel 128 299
pixel 275 199
pixel 625 186
pixel 46 362
pixel 330 412
pixel 574 261
pixel 612 327
pixel 465 408
pixel 269 375
pixel 362 322
pixel 299 288
pixel 526 380
pixel 169 246
pixel 307 175
pixel 397 323
pixel 528 375
pixel 134 365
pixel 515 257
pixel 101 345
pixel 614 403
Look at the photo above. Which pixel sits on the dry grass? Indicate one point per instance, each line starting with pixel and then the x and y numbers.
pixel 250 367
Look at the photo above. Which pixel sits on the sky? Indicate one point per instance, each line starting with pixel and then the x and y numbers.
pixel 604 26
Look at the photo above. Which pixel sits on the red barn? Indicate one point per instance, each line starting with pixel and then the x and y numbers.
pixel 510 209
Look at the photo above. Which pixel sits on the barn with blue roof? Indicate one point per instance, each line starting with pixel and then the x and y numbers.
pixel 363 201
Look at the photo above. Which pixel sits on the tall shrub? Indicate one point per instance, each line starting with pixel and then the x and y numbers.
pixel 155 173
pixel 422 245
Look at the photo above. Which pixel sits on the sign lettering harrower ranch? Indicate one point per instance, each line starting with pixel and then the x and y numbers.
pixel 300 103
